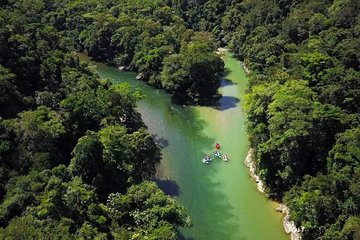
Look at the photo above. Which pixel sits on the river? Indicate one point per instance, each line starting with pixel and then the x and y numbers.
pixel 220 197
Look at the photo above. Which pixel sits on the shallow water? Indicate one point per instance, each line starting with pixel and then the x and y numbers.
pixel 220 197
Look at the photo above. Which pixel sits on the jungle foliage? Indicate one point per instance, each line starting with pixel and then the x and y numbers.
pixel 147 36
pixel 303 106
pixel 75 156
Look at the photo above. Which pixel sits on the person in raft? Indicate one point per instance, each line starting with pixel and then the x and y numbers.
pixel 217 153
pixel 217 146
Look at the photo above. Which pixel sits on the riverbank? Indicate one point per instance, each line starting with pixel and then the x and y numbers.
pixel 221 51
pixel 250 163
pixel 247 70
pixel 289 226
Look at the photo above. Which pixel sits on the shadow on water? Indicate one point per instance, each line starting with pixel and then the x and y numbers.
pixel 226 82
pixel 226 71
pixel 227 102
pixel 180 236
pixel 162 142
pixel 220 211
pixel 169 187
pixel 207 205
pixel 221 102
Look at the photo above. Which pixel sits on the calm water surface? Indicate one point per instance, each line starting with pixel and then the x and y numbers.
pixel 220 197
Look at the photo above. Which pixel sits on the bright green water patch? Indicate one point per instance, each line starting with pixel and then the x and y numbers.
pixel 220 197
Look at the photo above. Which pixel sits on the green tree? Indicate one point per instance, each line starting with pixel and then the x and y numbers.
pixel 87 158
pixel 193 74
pixel 153 214
pixel 32 228
pixel 346 151
pixel 37 133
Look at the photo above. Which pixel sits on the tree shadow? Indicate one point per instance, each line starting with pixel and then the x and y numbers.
pixel 227 102
pixel 220 211
pixel 206 101
pixel 168 186
pixel 209 208
pixel 162 142
pixel 180 236
pixel 226 82
pixel 210 101
pixel 226 71
pixel 221 102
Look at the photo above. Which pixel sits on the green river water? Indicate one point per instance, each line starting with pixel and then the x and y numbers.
pixel 220 197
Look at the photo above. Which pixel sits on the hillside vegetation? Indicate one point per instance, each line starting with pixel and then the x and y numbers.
pixel 75 156
pixel 145 36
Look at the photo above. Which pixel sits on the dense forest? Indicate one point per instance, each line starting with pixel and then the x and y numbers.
pixel 75 156
pixel 147 37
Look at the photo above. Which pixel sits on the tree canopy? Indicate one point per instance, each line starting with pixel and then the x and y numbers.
pixel 73 149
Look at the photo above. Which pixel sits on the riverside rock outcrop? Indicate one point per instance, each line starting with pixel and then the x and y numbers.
pixel 289 226
pixel 250 163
